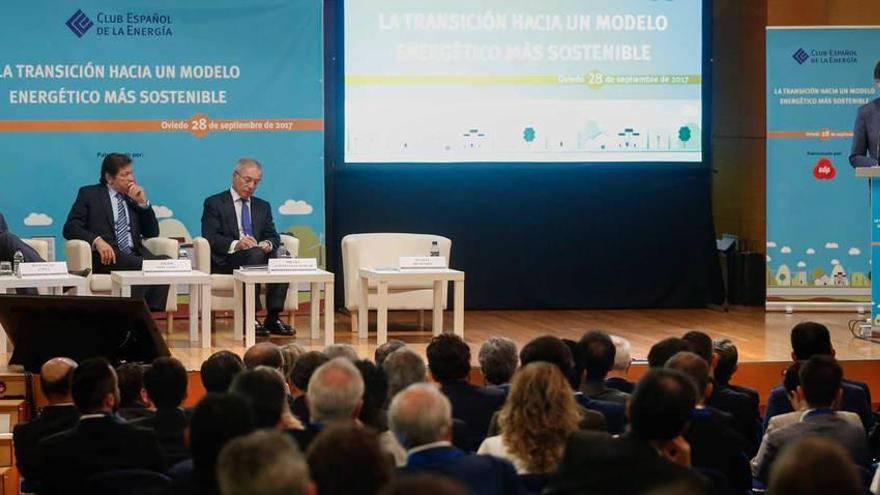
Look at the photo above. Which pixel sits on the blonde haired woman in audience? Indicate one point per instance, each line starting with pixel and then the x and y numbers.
pixel 539 415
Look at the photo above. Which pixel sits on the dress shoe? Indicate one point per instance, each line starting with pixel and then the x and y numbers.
pixel 80 273
pixel 278 327
pixel 260 330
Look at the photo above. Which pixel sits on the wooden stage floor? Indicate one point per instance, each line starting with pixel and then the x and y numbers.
pixel 759 336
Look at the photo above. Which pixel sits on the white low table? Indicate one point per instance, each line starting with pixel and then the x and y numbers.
pixel 52 283
pixel 248 278
pixel 382 277
pixel 199 294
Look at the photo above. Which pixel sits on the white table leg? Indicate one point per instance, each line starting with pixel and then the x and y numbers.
pixel 382 313
pixel 3 339
pixel 437 311
pixel 329 328
pixel 458 309
pixel 249 314
pixel 315 303
pixel 115 289
pixel 363 316
pixel 237 321
pixel 205 306
pixel 126 291
pixel 193 313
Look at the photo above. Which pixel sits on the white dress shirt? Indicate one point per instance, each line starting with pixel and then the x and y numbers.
pixel 236 203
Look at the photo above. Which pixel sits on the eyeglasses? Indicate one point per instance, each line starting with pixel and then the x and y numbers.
pixel 248 180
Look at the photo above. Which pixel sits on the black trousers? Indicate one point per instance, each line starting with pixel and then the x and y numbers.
pixel 156 296
pixel 275 293
pixel 9 244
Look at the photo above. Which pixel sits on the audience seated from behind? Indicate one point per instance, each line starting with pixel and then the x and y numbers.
pixel 335 397
pixel 165 381
pixel 346 351
pixel 263 388
pixel 498 361
pixel 291 353
pixel 715 444
pixel 217 419
pixel 620 370
pixel 651 455
pixel 449 361
pixel 597 414
pixel 820 388
pixel 101 441
pixel 424 484
pixel 661 351
pixel 747 420
pixel 728 363
pixel 218 371
pixel 421 418
pixel 815 466
pixel 538 417
pixel 403 368
pixel 302 372
pixel 807 340
pixel 594 359
pixel 264 354
pixel 383 350
pixel 56 376
pixel 373 413
pixel 134 403
pixel 263 462
pixel 363 469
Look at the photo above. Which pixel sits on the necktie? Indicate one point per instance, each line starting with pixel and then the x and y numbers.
pixel 123 236
pixel 246 219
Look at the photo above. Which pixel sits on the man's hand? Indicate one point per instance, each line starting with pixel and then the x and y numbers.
pixel 137 194
pixel 265 246
pixel 245 242
pixel 105 250
pixel 677 451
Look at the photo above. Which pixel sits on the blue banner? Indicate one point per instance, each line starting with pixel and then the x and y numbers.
pixel 186 88
pixel 818 216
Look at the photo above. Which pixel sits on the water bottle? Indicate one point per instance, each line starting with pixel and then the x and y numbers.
pixel 435 248
pixel 183 254
pixel 17 260
pixel 283 252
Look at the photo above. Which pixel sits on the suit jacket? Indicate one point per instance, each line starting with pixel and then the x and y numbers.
pixel 866 135
pixel 746 416
pixel 620 383
pixel 716 445
pixel 93 446
pixel 169 425
pixel 830 426
pixel 220 225
pixel 599 464
pixel 474 405
pixel 599 390
pixel 26 436
pixel 854 400
pixel 752 393
pixel 615 414
pixel 91 216
pixel 482 474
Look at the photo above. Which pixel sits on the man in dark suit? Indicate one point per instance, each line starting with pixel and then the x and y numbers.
pixel 809 339
pixel 421 418
pixel 60 414
pixel 10 243
pixel 101 441
pixel 114 217
pixel 449 360
pixel 594 359
pixel 715 444
pixel 652 455
pixel 240 230
pixel 821 378
pixel 728 359
pixel 165 381
pixel 866 132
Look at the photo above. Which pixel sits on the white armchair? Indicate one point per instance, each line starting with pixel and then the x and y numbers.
pixel 79 257
pixel 40 246
pixel 384 250
pixel 221 284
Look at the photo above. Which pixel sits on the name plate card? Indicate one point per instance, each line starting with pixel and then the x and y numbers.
pixel 292 265
pixel 422 262
pixel 167 266
pixel 43 269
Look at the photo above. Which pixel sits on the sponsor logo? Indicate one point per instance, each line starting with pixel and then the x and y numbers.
pixel 79 23
pixel 824 169
pixel 801 56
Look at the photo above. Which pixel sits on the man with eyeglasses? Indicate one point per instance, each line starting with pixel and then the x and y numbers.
pixel 240 230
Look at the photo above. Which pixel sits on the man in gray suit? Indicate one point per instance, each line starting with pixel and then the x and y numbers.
pixel 821 378
pixel 866 134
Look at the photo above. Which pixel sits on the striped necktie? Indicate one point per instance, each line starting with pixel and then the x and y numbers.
pixel 123 234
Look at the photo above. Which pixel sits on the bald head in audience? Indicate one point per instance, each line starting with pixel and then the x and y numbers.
pixel 264 462
pixel 335 392
pixel 56 377
pixel 264 354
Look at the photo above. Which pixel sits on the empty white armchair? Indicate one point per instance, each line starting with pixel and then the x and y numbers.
pixel 221 284
pixel 79 257
pixel 384 250
pixel 40 246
